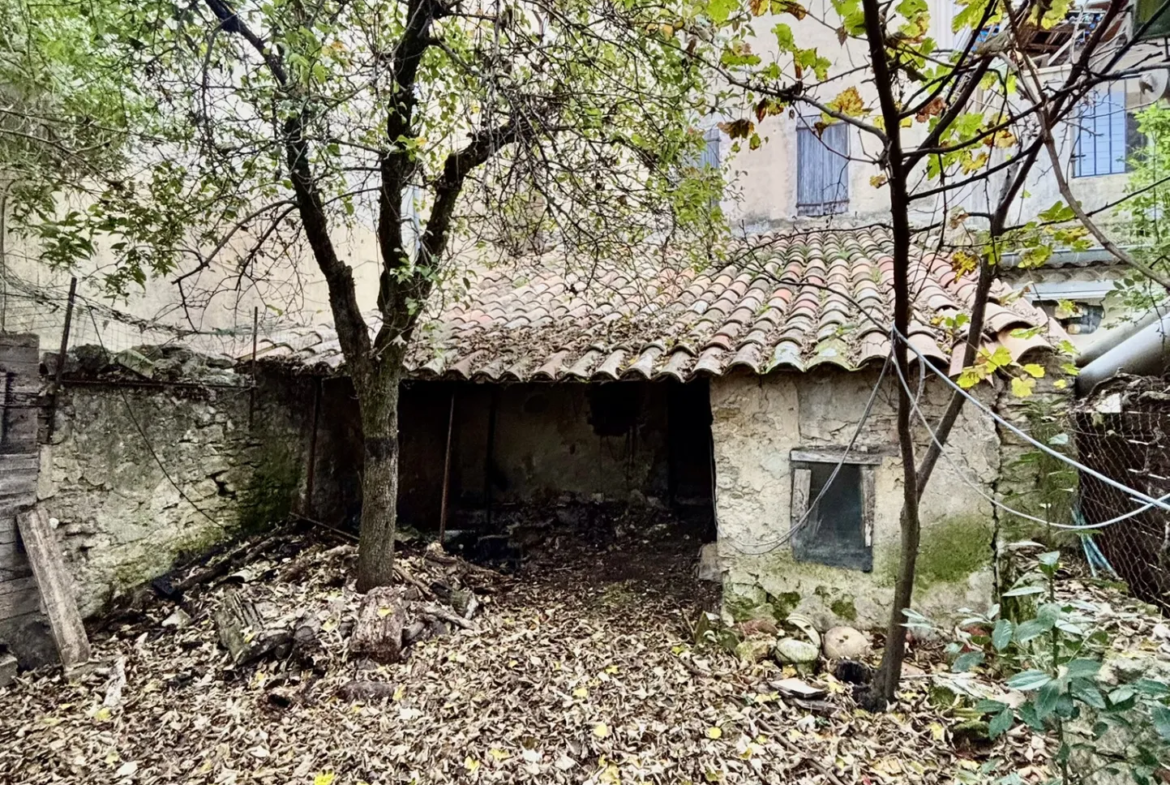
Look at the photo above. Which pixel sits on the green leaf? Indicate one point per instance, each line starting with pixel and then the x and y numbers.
pixel 1083 668
pixel 784 38
pixel 1022 388
pixel 1033 370
pixel 1087 692
pixel 1024 591
pixel 1000 724
pixel 1029 680
pixel 987 706
pixel 1161 716
pixel 1001 636
pixel 966 661
pixel 1031 629
pixel 1049 559
pixel 1152 688
pixel 1047 698
pixel 720 10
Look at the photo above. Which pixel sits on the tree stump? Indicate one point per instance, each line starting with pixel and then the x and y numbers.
pixel 378 633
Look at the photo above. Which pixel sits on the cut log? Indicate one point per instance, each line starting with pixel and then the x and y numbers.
pixel 378 632
pixel 361 690
pixel 242 631
pixel 56 588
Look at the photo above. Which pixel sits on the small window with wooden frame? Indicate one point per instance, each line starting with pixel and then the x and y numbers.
pixel 838 527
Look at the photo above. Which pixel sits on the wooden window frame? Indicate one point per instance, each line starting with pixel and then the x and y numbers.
pixel 802 483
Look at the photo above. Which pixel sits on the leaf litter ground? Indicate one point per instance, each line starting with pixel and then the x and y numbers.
pixel 583 669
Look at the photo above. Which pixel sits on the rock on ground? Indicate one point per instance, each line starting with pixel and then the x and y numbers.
pixel 793 651
pixel 754 649
pixel 845 643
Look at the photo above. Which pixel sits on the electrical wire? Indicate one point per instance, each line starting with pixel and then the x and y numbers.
pixel 796 527
pixel 1132 492
pixel 962 475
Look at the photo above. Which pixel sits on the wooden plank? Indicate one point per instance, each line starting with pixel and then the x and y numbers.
pixel 56 588
pixel 18 603
pixel 833 455
pixel 867 504
pixel 801 482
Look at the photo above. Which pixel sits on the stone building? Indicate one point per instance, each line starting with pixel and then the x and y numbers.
pixel 720 401
pixel 728 395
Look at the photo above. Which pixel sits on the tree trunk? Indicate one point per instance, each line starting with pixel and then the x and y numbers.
pixel 378 400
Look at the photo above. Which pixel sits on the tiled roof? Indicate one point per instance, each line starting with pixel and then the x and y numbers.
pixel 796 305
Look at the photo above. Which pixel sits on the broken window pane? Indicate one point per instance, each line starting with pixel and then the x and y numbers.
pixel 834 531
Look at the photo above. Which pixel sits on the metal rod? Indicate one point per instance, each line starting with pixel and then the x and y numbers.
pixel 447 470
pixel 311 474
pixel 252 394
pixel 61 354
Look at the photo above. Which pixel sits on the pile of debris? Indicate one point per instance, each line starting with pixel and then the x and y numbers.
pixel 274 597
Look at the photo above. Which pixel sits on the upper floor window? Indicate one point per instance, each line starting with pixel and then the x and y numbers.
pixel 822 169
pixel 1106 135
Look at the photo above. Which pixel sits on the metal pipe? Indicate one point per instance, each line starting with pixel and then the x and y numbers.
pixel 311 474
pixel 1143 353
pixel 1119 334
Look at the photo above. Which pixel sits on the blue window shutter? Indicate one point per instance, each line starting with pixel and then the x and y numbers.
pixel 1100 142
pixel 822 169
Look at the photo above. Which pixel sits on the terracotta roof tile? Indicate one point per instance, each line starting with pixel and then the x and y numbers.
pixel 825 297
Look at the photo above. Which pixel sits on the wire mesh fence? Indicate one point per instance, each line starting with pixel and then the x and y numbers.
pixel 1123 432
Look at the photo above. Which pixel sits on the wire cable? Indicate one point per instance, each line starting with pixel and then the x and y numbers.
pixel 796 527
pixel 962 475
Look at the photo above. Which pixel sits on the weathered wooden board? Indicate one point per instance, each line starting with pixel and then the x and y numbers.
pixel 52 578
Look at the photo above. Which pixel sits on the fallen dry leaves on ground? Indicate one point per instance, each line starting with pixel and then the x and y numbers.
pixel 583 670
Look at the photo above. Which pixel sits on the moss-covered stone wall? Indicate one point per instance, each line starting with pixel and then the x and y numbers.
pixel 139 477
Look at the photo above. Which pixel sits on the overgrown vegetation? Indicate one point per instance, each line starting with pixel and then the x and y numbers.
pixel 1051 657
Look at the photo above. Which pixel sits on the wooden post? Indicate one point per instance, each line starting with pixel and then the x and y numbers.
pixel 252 392
pixel 447 470
pixel 56 588
pixel 489 488
pixel 61 355
pixel 311 473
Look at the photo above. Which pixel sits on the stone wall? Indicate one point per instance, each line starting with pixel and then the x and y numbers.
pixel 139 474
pixel 758 422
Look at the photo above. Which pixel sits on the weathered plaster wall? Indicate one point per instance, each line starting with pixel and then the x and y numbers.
pixel 560 439
pixel 757 422
pixel 122 521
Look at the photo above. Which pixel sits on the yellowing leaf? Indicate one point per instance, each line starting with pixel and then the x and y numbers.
pixel 498 755
pixel 848 103
pixel 324 778
pixel 937 731
pixel 384 612
pixel 1022 388
pixel 601 730
pixel 878 180
pixel 715 732
pixel 612 670
pixel 1034 370
pixel 103 714
pixel 471 764
pixel 580 692
pixel 399 692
